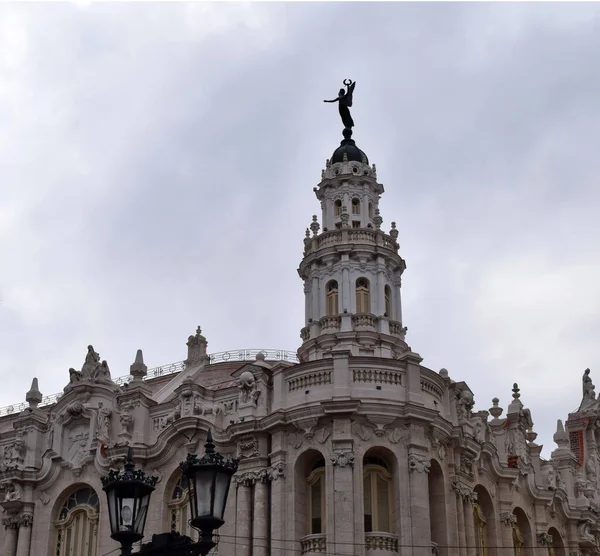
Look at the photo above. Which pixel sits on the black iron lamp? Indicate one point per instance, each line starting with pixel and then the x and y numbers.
pixel 209 478
pixel 128 495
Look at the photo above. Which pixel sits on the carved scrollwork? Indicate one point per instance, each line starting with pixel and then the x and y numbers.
pixel 464 491
pixel 247 447
pixel 545 539
pixel 508 518
pixel 342 459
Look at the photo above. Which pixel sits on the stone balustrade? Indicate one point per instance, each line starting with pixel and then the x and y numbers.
pixel 364 321
pixel 354 236
pixel 314 543
pixel 381 541
pixel 330 323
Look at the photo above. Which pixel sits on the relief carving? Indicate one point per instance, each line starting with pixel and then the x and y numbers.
pixel 13 456
pixel 364 433
pixel 508 518
pixel 247 447
pixel 103 424
pixel 12 491
pixel 248 390
pixel 323 434
pixel 397 434
pixel 295 439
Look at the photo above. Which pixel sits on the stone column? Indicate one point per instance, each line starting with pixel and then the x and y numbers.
pixel 469 526
pixel 11 525
pixel 24 544
pixel 279 507
pixel 341 542
pixel 380 309
pixel 507 520
pixel 418 466
pixel 315 299
pixel 460 519
pixel 243 528
pixel 397 302
pixel 260 526
pixel 345 291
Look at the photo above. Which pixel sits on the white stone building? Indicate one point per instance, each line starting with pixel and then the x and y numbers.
pixel 348 447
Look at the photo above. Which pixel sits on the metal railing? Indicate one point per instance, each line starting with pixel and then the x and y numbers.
pixel 172 368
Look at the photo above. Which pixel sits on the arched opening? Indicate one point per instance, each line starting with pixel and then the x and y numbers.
pixel 310 495
pixel 558 545
pixel 355 206
pixel 178 507
pixel 363 297
pixel 377 495
pixel 522 539
pixel 388 301
pixel 76 526
pixel 337 208
pixel 437 508
pixel 485 523
pixel 332 302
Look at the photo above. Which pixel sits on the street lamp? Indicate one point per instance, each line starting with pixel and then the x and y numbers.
pixel 128 495
pixel 209 478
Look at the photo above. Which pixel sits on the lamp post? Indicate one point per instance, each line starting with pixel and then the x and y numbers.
pixel 128 494
pixel 209 478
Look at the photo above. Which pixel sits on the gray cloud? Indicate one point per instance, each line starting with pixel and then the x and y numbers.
pixel 158 164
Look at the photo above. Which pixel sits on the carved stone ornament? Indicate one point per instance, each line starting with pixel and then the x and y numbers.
pixel 264 475
pixel 247 447
pixel 464 491
pixel 342 459
pixel 11 522
pixel 466 465
pixel 44 498
pixel 12 491
pixel 545 539
pixel 275 471
pixel 248 390
pixel 14 454
pixel 246 479
pixel 26 520
pixel 364 433
pixel 419 464
pixel 508 518
pixel 397 434
pixel 322 434
pixel 296 439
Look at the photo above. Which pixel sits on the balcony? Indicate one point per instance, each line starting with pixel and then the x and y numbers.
pixel 314 543
pixel 330 324
pixel 364 321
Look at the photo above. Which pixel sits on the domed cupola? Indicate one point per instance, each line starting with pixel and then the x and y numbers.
pixel 348 151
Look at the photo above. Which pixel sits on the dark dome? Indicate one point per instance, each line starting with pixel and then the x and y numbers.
pixel 348 147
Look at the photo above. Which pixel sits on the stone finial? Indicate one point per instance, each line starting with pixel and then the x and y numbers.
pixel 196 347
pixel 138 370
pixel 495 410
pixel 34 396
pixel 314 226
pixel 377 220
pixel 561 437
pixel 516 405
pixel 260 356
pixel 444 373
pixel 394 232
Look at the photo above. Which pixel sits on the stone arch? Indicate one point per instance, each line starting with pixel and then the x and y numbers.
pixel 176 506
pixel 74 519
pixel 487 512
pixel 306 464
pixel 381 457
pixel 557 542
pixel 437 507
pixel 522 533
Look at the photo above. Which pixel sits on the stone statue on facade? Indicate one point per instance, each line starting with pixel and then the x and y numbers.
pixel 344 100
pixel 103 372
pixel 92 361
pixel 589 395
pixel 248 391
pixel 103 423
pixel 465 404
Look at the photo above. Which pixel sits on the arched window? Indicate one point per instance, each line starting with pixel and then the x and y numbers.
pixel 332 308
pixel 363 299
pixel 388 301
pixel 371 211
pixel 377 482
pixel 480 531
pixel 77 525
pixel 316 498
pixel 355 206
pixel 337 208
pixel 179 508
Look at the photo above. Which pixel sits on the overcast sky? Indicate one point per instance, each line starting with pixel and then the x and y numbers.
pixel 157 163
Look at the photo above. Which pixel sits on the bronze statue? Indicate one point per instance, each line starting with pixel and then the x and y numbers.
pixel 344 100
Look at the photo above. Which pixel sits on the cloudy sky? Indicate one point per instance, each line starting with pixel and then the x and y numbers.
pixel 157 164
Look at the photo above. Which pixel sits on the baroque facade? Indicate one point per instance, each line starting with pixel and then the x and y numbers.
pixel 348 447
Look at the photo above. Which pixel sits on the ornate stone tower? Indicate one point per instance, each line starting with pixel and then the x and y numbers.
pixel 351 267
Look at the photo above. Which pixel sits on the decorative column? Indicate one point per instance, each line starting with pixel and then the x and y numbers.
pixel 462 491
pixel 278 509
pixel 346 289
pixel 508 520
pixel 243 522
pixel 418 466
pixel 469 523
pixel 380 309
pixel 315 299
pixel 11 525
pixel 343 508
pixel 260 525
pixel 25 526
